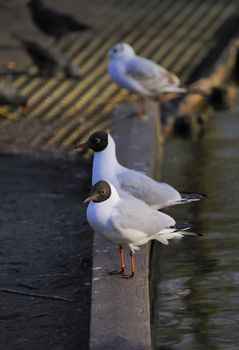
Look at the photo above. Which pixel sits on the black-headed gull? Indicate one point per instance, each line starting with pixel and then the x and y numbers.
pixel 106 167
pixel 140 75
pixel 129 221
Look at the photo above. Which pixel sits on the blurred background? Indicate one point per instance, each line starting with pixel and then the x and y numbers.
pixel 54 91
pixel 184 37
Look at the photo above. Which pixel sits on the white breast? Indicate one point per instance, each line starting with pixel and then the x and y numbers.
pixel 98 215
pixel 106 166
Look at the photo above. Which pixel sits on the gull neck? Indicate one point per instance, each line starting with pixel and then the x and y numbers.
pixel 105 163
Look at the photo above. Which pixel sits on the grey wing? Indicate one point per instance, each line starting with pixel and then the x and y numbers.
pixel 156 194
pixel 134 214
pixel 150 75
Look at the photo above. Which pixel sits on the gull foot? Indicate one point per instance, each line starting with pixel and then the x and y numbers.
pixel 119 271
pixel 128 276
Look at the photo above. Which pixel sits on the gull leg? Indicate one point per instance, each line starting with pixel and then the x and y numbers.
pixel 122 262
pixel 132 264
pixel 131 275
pixel 121 270
pixel 141 111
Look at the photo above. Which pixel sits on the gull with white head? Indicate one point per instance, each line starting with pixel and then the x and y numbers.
pixel 106 167
pixel 140 75
pixel 129 221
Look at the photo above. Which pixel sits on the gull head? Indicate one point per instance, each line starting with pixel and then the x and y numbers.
pixel 121 50
pixel 100 192
pixel 97 141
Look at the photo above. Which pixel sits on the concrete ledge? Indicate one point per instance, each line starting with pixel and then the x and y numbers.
pixel 120 309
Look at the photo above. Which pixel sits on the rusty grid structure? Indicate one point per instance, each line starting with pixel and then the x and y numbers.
pixel 176 34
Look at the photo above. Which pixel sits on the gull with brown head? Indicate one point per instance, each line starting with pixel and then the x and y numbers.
pixel 129 221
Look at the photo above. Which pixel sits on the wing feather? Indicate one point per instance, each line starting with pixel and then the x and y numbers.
pixel 133 214
pixel 150 75
pixel 156 194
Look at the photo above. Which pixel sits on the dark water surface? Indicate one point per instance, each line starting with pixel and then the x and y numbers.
pixel 195 282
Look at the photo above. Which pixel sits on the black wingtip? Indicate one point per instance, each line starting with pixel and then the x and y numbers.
pixel 190 228
pixel 191 196
pixel 182 227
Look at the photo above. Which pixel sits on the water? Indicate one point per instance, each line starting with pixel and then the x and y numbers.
pixel 195 282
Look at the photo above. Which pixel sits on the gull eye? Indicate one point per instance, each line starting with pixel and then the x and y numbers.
pixel 97 140
pixel 103 191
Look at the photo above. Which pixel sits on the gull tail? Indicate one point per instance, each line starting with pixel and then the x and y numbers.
pixel 191 197
pixel 175 89
pixel 176 231
pixel 185 198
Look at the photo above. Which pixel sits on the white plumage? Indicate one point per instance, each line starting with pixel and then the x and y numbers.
pixel 130 221
pixel 140 75
pixel 106 167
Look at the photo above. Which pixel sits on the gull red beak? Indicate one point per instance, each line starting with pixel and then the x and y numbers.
pixel 81 147
pixel 91 198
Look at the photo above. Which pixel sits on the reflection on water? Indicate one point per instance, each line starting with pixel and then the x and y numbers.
pixel 195 282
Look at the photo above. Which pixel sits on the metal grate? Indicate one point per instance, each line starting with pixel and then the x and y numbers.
pixel 177 34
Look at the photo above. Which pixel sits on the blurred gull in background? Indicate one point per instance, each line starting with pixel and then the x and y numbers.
pixel 141 75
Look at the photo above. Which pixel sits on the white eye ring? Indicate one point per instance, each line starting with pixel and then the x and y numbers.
pixel 97 140
pixel 103 191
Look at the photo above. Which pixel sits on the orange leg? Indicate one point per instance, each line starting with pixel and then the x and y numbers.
pixel 132 267
pixel 121 270
pixel 122 262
